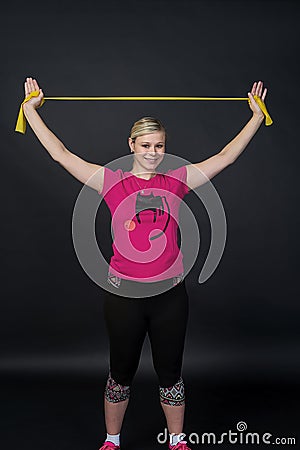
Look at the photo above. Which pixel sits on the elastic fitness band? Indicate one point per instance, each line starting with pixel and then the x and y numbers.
pixel 21 121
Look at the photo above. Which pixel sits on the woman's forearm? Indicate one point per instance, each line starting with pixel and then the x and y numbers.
pixel 237 145
pixel 47 138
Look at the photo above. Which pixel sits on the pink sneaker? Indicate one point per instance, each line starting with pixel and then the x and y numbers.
pixel 110 446
pixel 182 445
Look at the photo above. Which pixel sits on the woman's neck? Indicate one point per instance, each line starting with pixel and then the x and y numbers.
pixel 142 173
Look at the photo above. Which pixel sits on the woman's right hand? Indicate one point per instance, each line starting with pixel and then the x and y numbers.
pixel 31 85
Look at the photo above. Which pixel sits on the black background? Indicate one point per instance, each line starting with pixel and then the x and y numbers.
pixel 242 350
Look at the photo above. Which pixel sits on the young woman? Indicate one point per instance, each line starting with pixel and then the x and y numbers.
pixel 153 200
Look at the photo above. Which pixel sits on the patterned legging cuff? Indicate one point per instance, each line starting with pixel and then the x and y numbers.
pixel 115 392
pixel 174 395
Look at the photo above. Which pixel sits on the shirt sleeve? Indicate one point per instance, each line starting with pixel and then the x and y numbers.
pixel 110 179
pixel 178 179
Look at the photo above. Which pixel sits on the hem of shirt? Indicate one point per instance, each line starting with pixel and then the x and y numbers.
pixel 169 274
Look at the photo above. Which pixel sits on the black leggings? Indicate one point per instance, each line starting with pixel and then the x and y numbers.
pixel 163 316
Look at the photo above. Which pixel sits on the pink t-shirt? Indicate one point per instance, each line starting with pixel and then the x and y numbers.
pixel 145 216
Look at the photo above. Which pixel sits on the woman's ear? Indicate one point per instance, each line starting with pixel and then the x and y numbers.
pixel 131 144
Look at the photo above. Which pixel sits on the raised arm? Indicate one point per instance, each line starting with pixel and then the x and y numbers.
pixel 88 173
pixel 215 164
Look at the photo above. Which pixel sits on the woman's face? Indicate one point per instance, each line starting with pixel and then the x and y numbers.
pixel 149 149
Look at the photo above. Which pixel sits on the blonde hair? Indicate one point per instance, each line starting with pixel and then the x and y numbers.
pixel 146 125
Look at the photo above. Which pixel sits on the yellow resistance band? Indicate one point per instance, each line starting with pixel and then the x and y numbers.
pixel 21 121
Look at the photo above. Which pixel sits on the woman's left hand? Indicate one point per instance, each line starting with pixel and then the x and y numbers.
pixel 257 89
